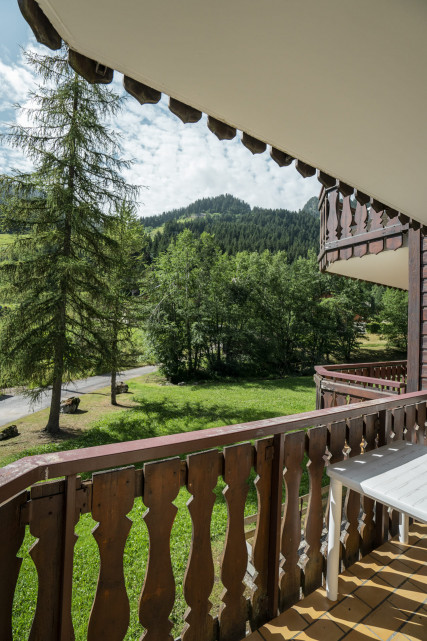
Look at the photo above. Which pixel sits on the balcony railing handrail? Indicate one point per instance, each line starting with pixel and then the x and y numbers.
pixel 380 382
pixel 342 366
pixel 19 475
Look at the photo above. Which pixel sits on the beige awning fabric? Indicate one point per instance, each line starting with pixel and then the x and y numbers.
pixel 339 85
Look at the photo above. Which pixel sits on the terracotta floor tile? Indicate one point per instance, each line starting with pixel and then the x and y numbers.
pixel 416 628
pixel 349 612
pixel 361 633
pixel 322 630
pixel 396 573
pixel 408 598
pixel 289 623
pixel 385 620
pixel 348 583
pixel 255 636
pixel 419 578
pixel 387 553
pixel 366 567
pixel 374 591
pixel 313 606
pixel 416 556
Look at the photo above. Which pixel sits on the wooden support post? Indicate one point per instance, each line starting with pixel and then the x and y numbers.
pixel 67 633
pixel 275 525
pixel 414 311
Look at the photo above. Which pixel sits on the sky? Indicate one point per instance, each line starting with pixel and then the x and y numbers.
pixel 174 163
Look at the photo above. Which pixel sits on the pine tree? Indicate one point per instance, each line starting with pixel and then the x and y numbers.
pixel 123 311
pixel 52 274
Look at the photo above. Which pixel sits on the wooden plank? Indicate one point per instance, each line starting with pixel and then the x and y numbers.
pixel 260 550
pixel 47 525
pixel 332 225
pixel 290 571
pixel 113 496
pixel 316 439
pixel 12 534
pixel 351 538
pixel 233 612
pixel 414 310
pixel 161 487
pixel 421 420
pixel 381 512
pixel 410 423
pixel 199 576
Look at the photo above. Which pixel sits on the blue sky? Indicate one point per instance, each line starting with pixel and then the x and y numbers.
pixel 175 163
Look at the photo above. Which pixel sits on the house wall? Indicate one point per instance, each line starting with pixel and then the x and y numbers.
pixel 417 312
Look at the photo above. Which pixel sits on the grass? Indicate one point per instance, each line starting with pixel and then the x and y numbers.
pixel 154 410
pixel 6 239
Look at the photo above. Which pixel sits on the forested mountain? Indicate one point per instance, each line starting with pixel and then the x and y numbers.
pixel 238 227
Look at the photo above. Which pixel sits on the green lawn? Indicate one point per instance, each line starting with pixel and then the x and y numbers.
pixel 161 410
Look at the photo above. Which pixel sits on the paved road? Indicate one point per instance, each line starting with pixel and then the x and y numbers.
pixel 14 407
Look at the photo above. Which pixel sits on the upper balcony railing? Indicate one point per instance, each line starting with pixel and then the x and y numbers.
pixel 356 382
pixel 353 226
pixel 288 554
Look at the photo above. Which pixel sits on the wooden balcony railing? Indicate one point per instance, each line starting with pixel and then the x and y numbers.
pixel 348 230
pixel 288 552
pixel 356 382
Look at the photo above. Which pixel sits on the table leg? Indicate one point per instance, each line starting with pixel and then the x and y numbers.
pixel 335 508
pixel 403 528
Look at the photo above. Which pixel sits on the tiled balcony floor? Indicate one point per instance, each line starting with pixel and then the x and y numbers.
pixel 383 596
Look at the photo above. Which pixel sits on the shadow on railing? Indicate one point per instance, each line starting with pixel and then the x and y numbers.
pixel 274 457
pixel 352 383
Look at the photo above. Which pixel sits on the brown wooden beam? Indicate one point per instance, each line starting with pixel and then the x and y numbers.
pixel 40 25
pixel 414 310
pixel 253 144
pixel 281 158
pixel 221 130
pixel 91 70
pixel 184 112
pixel 142 93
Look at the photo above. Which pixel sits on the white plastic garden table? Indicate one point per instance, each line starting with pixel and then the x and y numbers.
pixel 395 475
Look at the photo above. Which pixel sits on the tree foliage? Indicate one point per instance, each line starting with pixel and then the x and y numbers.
pixel 52 275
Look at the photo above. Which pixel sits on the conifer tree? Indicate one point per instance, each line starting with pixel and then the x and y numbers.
pixel 52 275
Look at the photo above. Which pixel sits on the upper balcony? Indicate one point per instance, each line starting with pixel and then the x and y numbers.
pixel 361 239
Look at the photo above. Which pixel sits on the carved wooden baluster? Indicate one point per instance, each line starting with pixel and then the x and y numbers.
pixel 351 539
pixel 290 575
pixel 161 487
pixel 367 530
pixel 421 420
pixel 11 537
pixel 336 441
pixel 48 525
pixel 381 511
pixel 260 550
pixel 333 223
pixel 232 618
pixel 199 577
pixel 346 223
pixel 313 566
pixel 376 246
pixel 398 423
pixel 411 423
pixel 112 498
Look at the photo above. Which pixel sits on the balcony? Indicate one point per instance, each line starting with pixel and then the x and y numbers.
pixel 343 384
pixel 46 496
pixel 361 239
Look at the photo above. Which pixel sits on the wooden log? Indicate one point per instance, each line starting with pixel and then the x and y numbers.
pixel 316 439
pixel 280 157
pixel 233 612
pixel 91 70
pixel 351 538
pixel 344 189
pixel 184 112
pixel 290 571
pixel 161 487
pixel 253 144
pixel 260 551
pixel 113 496
pixel 304 169
pixel 362 198
pixel 12 534
pixel 142 93
pixel 326 180
pixel 40 25
pixel 221 130
pixel 199 575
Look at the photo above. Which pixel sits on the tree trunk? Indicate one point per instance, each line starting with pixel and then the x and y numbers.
pixel 113 387
pixel 55 404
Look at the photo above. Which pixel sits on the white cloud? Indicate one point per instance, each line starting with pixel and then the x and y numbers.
pixel 176 163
